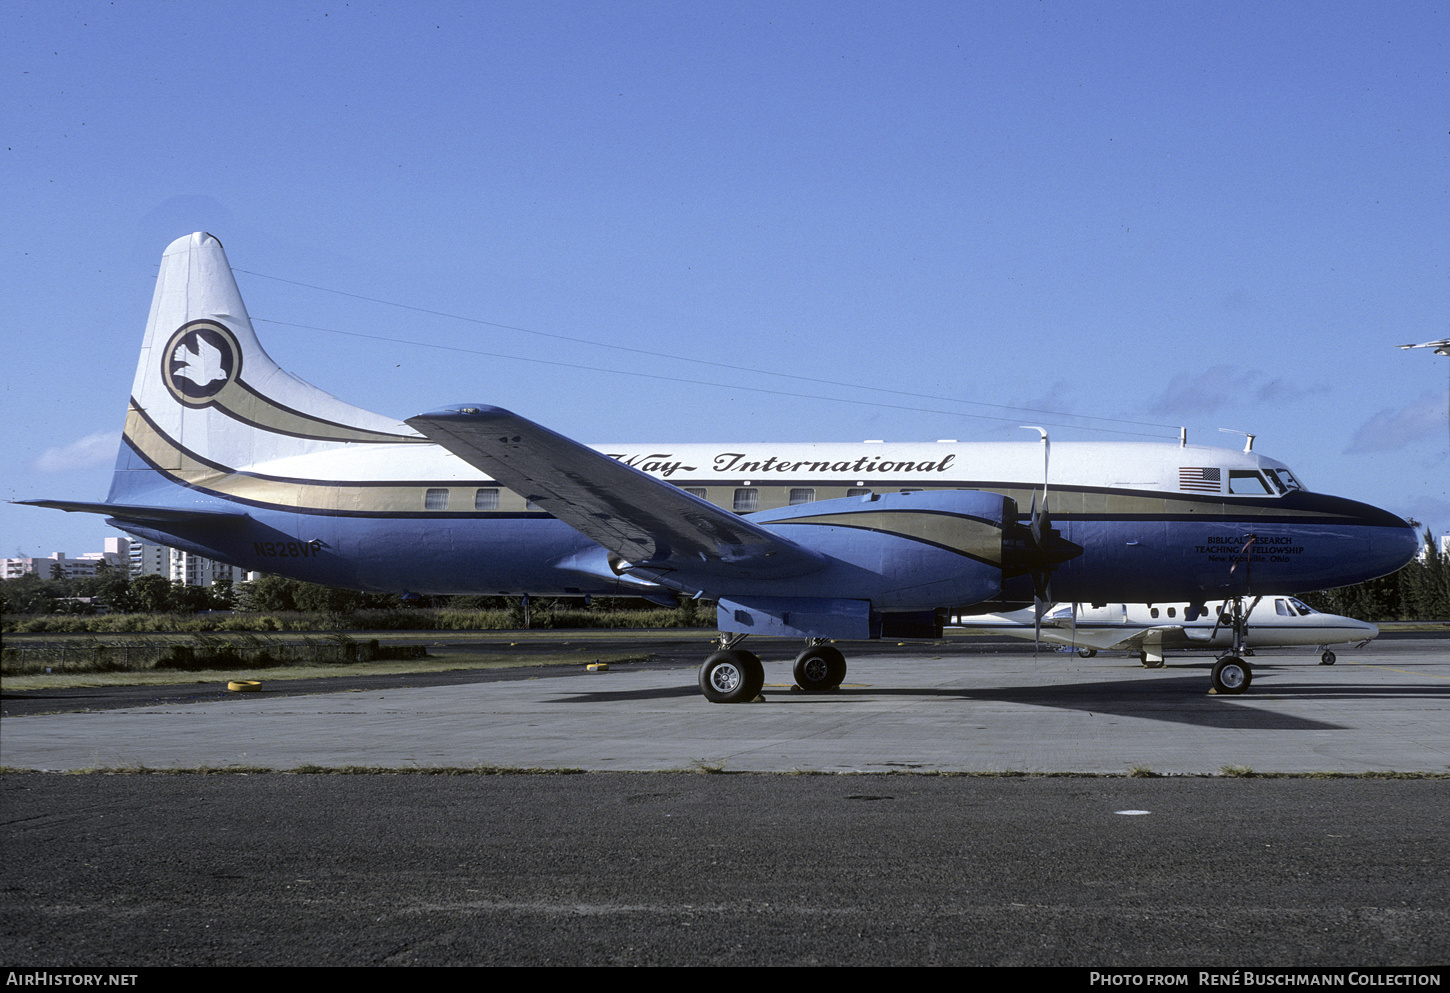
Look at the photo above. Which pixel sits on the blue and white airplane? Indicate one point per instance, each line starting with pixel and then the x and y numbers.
pixel 226 455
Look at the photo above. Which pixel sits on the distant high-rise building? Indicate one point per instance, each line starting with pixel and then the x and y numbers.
pixel 116 555
pixel 148 558
pixel 135 557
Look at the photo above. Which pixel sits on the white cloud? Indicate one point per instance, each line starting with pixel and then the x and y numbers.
pixel 1390 430
pixel 92 450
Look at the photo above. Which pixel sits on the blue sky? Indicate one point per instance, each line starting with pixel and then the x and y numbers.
pixel 1163 214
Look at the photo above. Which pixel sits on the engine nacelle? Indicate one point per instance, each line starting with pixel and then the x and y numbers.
pixel 895 560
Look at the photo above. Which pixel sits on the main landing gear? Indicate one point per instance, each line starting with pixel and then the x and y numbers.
pixel 733 675
pixel 819 667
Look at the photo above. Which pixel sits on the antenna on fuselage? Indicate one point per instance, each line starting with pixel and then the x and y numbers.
pixel 1041 525
pixel 1249 438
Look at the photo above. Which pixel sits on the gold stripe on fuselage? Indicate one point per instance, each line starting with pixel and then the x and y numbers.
pixel 364 497
pixel 980 540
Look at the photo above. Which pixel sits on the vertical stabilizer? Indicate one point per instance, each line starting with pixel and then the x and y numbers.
pixel 208 398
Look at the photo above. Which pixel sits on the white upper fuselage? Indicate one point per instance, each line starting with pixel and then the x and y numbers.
pixel 836 468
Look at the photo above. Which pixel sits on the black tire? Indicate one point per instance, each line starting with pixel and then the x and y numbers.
pixel 732 676
pixel 1087 653
pixel 1231 675
pixel 1150 663
pixel 820 668
pixel 1327 658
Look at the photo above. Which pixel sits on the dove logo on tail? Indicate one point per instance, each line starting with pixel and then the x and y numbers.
pixel 201 359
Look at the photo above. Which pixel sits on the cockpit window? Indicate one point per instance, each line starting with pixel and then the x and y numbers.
pixel 1247 482
pixel 1284 479
pixel 1304 609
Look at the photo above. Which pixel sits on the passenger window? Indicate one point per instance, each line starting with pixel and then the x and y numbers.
pixel 802 494
pixel 485 499
pixel 697 491
pixel 1172 612
pixel 856 491
pixel 1153 611
pixel 747 500
pixel 435 499
pixel 1246 482
pixel 914 489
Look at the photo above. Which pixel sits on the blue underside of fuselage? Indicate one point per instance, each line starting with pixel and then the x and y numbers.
pixel 1123 560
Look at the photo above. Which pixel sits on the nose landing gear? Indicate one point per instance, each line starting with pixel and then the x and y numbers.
pixel 1231 674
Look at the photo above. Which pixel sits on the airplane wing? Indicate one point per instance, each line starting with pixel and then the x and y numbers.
pixel 1059 630
pixel 653 526
pixel 139 514
pixel 1152 638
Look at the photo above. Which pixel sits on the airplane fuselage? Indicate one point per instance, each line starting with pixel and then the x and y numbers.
pixel 409 516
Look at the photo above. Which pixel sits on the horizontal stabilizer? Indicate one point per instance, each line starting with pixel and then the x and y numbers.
pixel 132 512
pixel 649 524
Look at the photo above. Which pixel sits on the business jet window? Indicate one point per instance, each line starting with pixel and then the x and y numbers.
pixel 802 494
pixel 1246 482
pixel 857 491
pixel 1153 611
pixel 697 491
pixel 435 499
pixel 485 499
pixel 1172 611
pixel 1303 608
pixel 747 500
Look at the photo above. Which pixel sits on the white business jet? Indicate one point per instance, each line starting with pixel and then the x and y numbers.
pixel 1150 629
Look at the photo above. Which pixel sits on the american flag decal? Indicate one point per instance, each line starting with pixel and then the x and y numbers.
pixel 1202 479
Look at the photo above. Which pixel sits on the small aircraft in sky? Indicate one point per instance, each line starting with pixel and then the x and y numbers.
pixel 226 455
pixel 1150 629
pixel 1441 346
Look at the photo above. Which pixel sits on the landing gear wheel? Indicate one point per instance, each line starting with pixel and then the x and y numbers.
pixel 1327 658
pixel 1231 674
pixel 1150 663
pixel 822 667
pixel 1086 653
pixel 732 676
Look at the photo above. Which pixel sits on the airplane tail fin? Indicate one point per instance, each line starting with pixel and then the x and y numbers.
pixel 208 400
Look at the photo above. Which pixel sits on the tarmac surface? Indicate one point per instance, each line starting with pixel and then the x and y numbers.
pixel 689 869
pixel 919 708
pixel 730 862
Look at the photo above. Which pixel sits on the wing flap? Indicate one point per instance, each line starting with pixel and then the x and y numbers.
pixel 653 526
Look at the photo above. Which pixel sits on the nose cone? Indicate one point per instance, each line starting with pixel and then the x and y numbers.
pixel 1393 547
